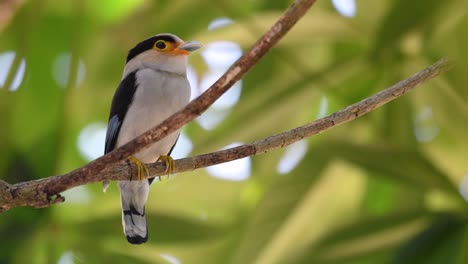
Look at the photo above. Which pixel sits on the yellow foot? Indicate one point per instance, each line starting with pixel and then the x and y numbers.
pixel 141 168
pixel 170 166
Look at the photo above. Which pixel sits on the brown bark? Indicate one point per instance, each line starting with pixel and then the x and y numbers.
pixel 38 193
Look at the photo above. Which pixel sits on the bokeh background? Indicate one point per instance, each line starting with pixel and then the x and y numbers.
pixel 390 187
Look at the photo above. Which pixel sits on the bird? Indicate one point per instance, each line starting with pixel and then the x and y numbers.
pixel 154 86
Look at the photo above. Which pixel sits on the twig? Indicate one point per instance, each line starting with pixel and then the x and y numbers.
pixel 27 193
pixel 286 138
pixel 8 8
pixel 40 196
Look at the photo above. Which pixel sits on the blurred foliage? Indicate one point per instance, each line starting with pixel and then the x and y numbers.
pixel 376 190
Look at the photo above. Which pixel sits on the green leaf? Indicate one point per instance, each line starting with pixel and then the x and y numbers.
pixel 283 203
pixel 402 18
pixel 370 236
pixel 439 243
pixel 406 165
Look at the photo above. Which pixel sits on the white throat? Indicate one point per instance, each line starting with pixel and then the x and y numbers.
pixel 158 62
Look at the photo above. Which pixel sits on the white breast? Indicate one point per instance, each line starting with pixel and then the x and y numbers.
pixel 159 95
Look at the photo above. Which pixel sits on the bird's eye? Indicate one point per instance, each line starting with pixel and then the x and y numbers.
pixel 160 45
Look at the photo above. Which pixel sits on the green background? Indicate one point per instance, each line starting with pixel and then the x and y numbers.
pixel 370 191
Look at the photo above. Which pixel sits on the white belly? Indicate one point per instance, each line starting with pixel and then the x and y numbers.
pixel 157 97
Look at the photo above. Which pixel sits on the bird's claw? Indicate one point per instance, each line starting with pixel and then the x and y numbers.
pixel 142 170
pixel 170 165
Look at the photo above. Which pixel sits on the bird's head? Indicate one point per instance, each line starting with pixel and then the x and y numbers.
pixel 165 52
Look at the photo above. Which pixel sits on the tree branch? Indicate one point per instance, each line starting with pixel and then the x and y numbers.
pixel 45 192
pixel 205 100
pixel 22 195
pixel 34 193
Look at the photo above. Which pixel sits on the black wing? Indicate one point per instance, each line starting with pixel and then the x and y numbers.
pixel 123 97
